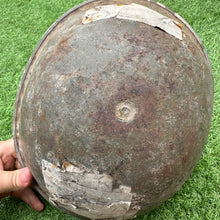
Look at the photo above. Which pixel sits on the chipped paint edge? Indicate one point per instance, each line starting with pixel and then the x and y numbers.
pixel 134 12
pixel 87 193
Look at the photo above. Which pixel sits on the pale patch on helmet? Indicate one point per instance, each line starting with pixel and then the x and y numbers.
pixel 134 12
pixel 85 193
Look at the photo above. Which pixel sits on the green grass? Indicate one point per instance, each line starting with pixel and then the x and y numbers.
pixel 22 24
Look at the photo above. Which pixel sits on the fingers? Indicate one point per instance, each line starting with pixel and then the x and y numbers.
pixel 17 164
pixel 8 154
pixel 15 180
pixel 28 196
pixel 9 145
pixel 1 165
pixel 8 142
pixel 15 183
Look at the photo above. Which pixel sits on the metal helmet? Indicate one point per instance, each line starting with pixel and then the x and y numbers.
pixel 114 108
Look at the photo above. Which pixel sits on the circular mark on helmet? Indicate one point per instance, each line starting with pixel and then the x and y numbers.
pixel 125 111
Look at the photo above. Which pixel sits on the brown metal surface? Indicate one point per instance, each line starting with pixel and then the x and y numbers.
pixel 114 99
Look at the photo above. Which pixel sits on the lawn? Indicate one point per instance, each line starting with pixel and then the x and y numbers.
pixel 22 24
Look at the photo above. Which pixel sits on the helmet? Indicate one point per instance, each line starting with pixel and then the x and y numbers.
pixel 114 108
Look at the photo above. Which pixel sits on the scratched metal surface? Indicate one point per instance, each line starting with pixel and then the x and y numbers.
pixel 120 98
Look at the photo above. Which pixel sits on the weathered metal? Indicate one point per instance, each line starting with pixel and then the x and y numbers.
pixel 114 108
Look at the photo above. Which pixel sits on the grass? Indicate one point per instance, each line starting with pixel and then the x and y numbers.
pixel 23 22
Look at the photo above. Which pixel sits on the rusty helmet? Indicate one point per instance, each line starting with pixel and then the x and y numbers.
pixel 114 108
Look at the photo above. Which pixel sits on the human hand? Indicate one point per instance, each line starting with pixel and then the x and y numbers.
pixel 16 182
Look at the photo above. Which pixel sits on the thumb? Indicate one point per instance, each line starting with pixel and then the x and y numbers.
pixel 15 180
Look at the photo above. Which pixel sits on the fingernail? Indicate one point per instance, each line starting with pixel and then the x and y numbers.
pixel 24 176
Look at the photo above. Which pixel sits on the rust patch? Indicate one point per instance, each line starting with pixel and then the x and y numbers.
pixel 179 25
pixel 66 164
pixel 61 50
pixel 142 94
